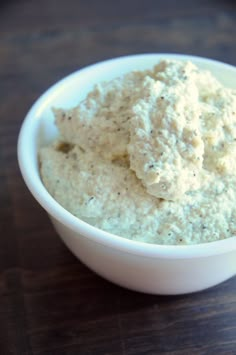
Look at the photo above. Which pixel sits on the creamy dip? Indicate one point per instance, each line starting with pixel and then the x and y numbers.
pixel 149 156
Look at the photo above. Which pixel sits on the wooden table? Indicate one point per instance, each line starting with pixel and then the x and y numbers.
pixel 50 303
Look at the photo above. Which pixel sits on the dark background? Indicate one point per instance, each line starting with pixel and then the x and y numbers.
pixel 49 302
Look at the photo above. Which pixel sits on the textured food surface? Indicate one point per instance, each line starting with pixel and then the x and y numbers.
pixel 149 156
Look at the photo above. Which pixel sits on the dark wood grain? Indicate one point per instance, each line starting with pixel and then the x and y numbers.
pixel 50 303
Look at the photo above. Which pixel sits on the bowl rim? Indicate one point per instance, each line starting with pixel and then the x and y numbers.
pixel 30 174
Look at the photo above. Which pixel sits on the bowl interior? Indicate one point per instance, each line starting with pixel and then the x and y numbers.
pixel 38 128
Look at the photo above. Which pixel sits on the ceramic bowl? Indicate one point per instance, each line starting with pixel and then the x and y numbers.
pixel 155 269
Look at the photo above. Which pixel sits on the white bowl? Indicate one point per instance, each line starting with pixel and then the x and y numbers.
pixel 149 268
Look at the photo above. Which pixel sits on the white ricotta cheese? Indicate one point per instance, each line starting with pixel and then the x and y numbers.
pixel 149 156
